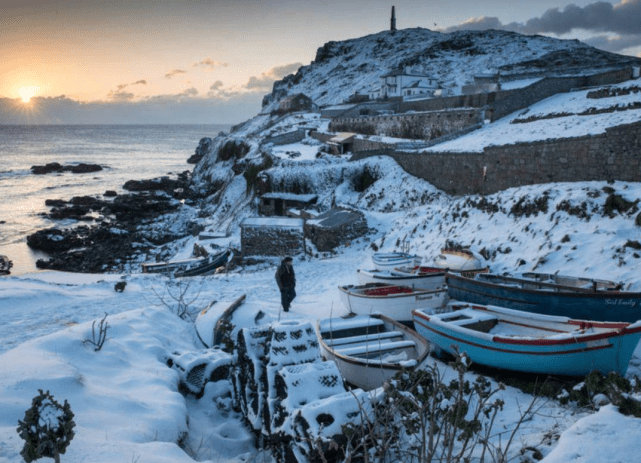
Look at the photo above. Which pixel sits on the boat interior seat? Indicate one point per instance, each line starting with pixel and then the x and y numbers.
pixel 376 348
pixel 364 338
pixel 471 319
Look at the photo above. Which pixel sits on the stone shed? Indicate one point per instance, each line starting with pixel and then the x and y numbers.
pixel 277 204
pixel 334 228
pixel 267 236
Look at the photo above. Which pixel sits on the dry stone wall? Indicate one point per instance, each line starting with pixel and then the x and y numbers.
pixel 613 155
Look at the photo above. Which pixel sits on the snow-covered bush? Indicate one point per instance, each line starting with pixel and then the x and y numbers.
pixel 47 428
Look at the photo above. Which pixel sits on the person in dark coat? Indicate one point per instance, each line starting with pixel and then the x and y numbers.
pixel 286 280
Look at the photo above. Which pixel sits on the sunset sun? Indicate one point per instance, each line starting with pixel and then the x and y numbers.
pixel 27 92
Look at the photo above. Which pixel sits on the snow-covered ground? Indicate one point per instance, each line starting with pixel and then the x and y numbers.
pixel 568 123
pixel 125 398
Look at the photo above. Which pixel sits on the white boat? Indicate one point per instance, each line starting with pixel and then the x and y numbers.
pixel 369 350
pixel 389 260
pixel 404 276
pixel 531 342
pixel 458 260
pixel 395 302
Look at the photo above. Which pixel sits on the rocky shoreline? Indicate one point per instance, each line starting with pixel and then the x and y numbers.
pixel 115 237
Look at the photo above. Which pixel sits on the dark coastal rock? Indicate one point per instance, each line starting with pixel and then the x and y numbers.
pixel 110 194
pixel 156 184
pixel 204 145
pixel 117 235
pixel 56 167
pixel 52 240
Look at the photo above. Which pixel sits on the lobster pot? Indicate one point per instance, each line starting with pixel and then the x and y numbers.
pixel 262 352
pixel 318 426
pixel 250 373
pixel 290 343
pixel 196 369
pixel 297 385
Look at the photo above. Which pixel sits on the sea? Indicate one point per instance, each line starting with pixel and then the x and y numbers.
pixel 126 152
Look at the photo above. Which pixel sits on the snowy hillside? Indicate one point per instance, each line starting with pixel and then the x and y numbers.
pixel 342 68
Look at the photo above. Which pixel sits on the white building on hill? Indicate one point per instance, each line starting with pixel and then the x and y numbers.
pixel 402 83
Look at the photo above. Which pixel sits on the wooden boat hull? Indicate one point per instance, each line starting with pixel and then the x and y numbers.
pixel 390 260
pixel 206 268
pixel 385 348
pixel 571 347
pixel 395 302
pixel 458 260
pixel 431 280
pixel 548 299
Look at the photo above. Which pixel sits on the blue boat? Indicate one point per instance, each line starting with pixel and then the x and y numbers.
pixel 528 342
pixel 580 298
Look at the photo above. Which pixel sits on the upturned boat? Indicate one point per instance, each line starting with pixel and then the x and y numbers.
pixel 395 302
pixel 369 350
pixel 458 260
pixel 574 297
pixel 529 342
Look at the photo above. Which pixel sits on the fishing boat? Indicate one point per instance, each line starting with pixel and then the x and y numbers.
pixel 427 278
pixel 574 297
pixel 189 267
pixel 459 260
pixel 369 350
pixel 210 265
pixel 395 302
pixel 529 342
pixel 389 260
pixel 5 265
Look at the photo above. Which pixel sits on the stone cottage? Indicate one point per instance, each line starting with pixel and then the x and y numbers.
pixel 334 228
pixel 267 236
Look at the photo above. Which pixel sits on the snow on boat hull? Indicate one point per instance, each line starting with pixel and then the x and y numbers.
pixel 432 280
pixel 370 350
pixel 390 260
pixel 532 343
pixel 395 302
pixel 603 303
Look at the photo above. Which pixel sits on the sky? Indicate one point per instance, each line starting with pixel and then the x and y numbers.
pixel 165 61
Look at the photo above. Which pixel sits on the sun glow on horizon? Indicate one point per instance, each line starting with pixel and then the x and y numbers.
pixel 26 93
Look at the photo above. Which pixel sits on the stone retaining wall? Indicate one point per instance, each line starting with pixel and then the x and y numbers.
pixel 416 126
pixel 613 155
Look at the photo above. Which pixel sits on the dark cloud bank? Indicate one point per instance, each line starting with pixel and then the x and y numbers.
pixel 619 25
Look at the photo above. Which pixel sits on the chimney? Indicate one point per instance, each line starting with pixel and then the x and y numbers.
pixel 393 20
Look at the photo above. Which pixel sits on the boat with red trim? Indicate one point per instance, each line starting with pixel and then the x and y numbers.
pixel 549 294
pixel 394 301
pixel 529 342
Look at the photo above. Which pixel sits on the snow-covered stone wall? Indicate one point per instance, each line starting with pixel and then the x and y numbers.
pixel 613 155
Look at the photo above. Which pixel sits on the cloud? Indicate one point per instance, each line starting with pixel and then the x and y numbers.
pixel 174 73
pixel 209 64
pixel 621 19
pixel 119 95
pixel 265 81
pixel 182 108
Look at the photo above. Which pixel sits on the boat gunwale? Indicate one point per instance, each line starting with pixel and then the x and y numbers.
pixel 414 291
pixel 566 291
pixel 617 329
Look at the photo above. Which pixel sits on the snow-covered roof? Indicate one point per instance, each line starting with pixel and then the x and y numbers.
pixel 290 196
pixel 281 222
pixel 342 137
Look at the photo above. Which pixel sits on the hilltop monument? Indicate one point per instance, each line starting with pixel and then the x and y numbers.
pixel 393 21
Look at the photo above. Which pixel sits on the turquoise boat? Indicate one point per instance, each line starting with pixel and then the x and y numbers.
pixel 529 342
pixel 549 294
